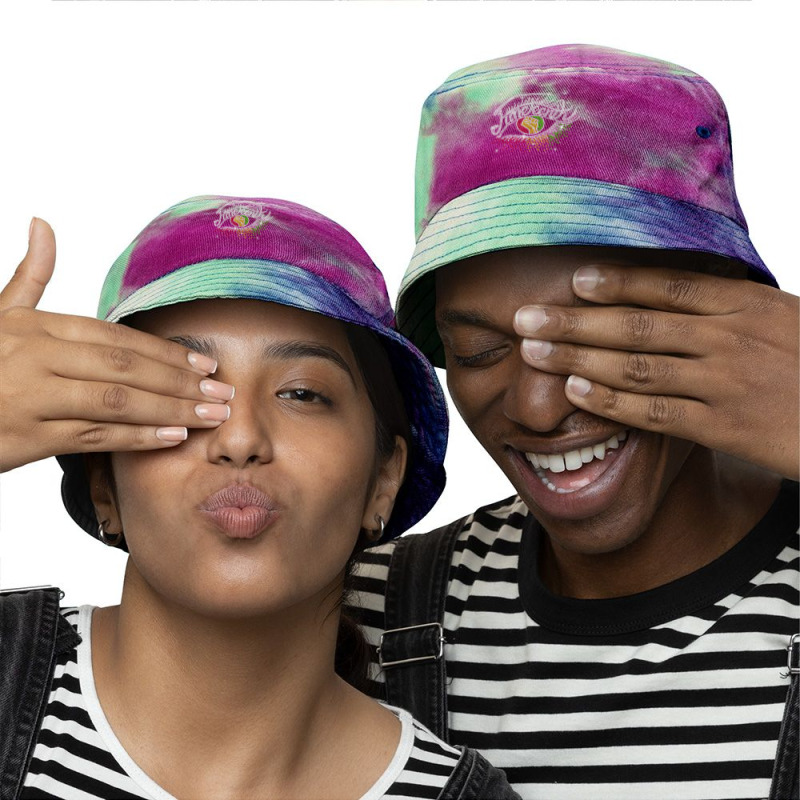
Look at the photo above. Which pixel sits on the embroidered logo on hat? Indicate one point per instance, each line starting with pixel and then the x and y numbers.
pixel 243 218
pixel 531 115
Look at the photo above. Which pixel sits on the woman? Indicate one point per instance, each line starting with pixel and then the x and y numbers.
pixel 224 671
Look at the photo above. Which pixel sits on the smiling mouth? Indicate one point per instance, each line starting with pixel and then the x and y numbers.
pixel 572 470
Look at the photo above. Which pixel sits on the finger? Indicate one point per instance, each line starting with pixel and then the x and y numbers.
pixel 675 416
pixel 95 331
pixel 666 289
pixel 85 436
pixel 642 373
pixel 101 363
pixel 616 327
pixel 28 283
pixel 112 402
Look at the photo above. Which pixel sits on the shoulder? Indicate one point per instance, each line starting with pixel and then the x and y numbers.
pixel 423 764
pixel 427 767
pixel 486 524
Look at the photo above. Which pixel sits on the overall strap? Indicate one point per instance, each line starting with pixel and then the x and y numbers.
pixel 32 636
pixel 785 779
pixel 411 652
pixel 474 777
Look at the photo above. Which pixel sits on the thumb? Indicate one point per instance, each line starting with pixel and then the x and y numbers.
pixel 29 281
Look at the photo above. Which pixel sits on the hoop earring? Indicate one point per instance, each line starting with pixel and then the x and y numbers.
pixel 377 533
pixel 109 539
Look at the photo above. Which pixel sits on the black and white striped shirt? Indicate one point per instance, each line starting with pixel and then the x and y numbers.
pixel 673 694
pixel 78 757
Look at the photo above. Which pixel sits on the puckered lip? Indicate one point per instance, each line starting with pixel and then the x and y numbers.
pixel 562 445
pixel 240 511
pixel 238 495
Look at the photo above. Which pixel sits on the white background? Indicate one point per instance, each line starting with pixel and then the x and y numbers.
pixel 112 111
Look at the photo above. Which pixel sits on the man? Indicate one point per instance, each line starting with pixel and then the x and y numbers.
pixel 619 628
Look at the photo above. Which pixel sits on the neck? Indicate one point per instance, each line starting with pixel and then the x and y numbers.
pixel 240 703
pixel 709 507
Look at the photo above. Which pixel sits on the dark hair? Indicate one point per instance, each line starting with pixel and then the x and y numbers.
pixel 352 657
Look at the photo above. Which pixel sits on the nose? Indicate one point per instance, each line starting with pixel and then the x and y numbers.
pixel 535 399
pixel 245 438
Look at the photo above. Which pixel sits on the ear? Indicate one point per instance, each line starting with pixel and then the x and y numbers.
pixel 101 483
pixel 387 485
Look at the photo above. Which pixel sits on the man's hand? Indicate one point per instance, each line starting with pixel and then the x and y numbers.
pixel 709 359
pixel 72 384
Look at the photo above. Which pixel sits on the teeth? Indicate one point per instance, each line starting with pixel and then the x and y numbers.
pixel 573 459
pixel 599 451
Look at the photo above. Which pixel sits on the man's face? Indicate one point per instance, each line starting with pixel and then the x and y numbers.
pixel 594 484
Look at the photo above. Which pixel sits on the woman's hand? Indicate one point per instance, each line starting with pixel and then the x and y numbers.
pixel 73 384
pixel 709 359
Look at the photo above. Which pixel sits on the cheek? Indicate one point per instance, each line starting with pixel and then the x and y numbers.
pixel 147 485
pixel 474 397
pixel 149 488
pixel 333 472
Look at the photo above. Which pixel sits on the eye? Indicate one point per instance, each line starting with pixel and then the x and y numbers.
pixel 303 395
pixel 484 359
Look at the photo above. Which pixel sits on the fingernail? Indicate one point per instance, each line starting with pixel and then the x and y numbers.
pixel 529 319
pixel 536 349
pixel 30 228
pixel 172 434
pixel 217 390
pixel 216 413
pixel 579 386
pixel 586 279
pixel 203 363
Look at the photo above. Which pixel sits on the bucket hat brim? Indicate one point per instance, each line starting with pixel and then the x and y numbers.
pixel 552 210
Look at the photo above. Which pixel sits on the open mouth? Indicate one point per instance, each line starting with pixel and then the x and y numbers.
pixel 572 470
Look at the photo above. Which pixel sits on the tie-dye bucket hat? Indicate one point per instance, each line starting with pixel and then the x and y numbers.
pixel 280 252
pixel 569 145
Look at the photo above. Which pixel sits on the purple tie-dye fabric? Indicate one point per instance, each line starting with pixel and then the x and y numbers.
pixel 213 228
pixel 627 119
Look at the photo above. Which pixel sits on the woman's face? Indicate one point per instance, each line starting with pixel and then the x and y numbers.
pixel 263 512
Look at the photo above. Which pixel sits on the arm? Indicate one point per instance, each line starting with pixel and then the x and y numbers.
pixel 76 385
pixel 709 359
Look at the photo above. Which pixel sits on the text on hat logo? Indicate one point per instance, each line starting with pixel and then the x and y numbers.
pixel 529 116
pixel 243 218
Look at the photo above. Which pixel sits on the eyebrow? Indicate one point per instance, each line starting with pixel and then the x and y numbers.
pixel 283 351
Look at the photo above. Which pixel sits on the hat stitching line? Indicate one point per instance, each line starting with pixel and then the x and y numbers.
pixel 592 225
pixel 474 215
pixel 432 263
pixel 581 183
pixel 622 242
pixel 249 260
pixel 506 72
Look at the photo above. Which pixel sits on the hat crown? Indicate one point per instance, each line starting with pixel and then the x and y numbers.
pixel 214 228
pixel 577 111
